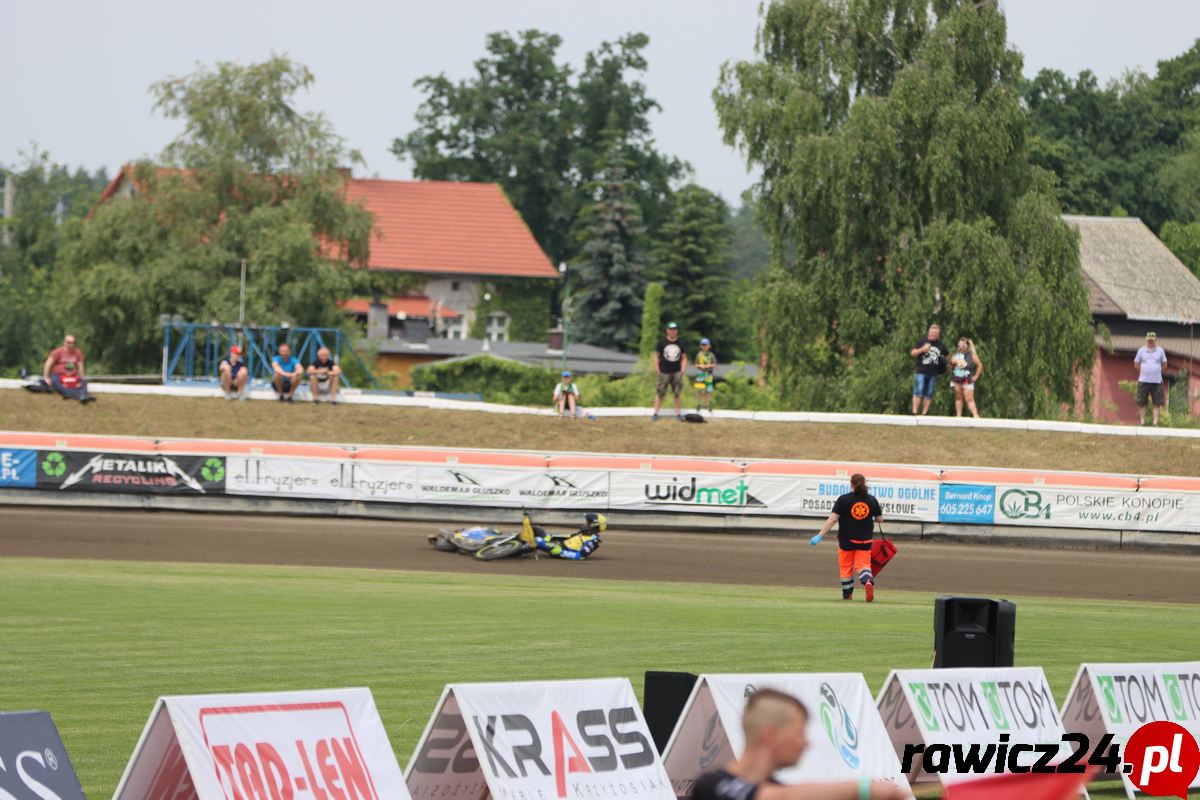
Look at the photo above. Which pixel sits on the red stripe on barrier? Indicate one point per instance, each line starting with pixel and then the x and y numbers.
pixel 1170 484
pixel 70 441
pixel 450 457
pixel 252 449
pixel 1022 478
pixel 816 469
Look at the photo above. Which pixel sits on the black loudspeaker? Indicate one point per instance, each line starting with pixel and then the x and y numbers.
pixel 664 696
pixel 973 632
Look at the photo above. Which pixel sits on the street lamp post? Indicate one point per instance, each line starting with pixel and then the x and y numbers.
pixel 566 303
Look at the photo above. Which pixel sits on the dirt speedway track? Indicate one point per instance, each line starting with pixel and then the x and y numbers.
pixel 711 558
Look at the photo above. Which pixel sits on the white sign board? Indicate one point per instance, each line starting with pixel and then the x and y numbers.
pixel 1118 699
pixel 300 745
pixel 1066 507
pixel 954 715
pixel 846 737
pixel 580 740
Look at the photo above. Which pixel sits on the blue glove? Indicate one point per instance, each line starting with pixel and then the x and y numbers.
pixel 816 539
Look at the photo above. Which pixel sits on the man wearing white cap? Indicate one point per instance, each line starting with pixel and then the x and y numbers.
pixel 1150 361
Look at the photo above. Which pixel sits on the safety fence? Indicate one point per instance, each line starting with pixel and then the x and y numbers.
pixel 589 738
pixel 127 465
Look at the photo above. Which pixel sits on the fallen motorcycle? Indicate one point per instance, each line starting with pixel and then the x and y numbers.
pixel 489 544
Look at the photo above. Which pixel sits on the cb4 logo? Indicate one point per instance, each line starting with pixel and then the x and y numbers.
pixel 1162 759
pixel 839 727
pixel 1024 504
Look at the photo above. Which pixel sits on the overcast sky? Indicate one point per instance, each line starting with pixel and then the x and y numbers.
pixel 75 74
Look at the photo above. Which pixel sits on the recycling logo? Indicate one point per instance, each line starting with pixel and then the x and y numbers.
pixel 213 470
pixel 54 465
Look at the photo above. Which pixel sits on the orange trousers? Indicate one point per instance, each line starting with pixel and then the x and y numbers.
pixel 852 563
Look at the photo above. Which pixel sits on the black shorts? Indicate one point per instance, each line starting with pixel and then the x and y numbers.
pixel 1152 390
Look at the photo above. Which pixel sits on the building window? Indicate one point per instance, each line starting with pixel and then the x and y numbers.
pixel 453 329
pixel 497 327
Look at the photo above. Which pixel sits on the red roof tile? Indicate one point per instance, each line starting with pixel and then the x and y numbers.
pixel 409 306
pixel 448 228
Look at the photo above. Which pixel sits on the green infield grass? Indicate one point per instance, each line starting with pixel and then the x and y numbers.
pixel 96 643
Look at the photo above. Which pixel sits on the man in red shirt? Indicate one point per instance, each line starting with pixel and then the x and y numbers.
pixel 63 371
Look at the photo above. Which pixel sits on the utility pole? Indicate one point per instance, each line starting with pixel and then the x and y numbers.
pixel 242 300
pixel 10 197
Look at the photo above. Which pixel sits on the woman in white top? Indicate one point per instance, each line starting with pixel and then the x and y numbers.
pixel 965 369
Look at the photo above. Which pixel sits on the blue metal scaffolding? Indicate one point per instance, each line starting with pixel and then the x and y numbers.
pixel 192 351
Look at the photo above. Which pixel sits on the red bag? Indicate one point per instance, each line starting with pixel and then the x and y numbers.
pixel 882 551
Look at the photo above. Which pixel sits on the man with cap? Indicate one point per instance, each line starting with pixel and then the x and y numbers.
pixel 234 374
pixel 1150 361
pixel 566 395
pixel 670 362
pixel 706 365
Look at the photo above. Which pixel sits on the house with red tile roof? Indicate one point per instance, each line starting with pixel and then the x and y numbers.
pixel 459 236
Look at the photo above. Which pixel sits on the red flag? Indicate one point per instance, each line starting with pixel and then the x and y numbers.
pixel 1025 785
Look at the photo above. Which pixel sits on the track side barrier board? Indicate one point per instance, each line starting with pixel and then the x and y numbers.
pixel 803 489
pixel 568 740
pixel 33 761
pixel 303 745
pixel 947 713
pixel 1118 699
pixel 846 737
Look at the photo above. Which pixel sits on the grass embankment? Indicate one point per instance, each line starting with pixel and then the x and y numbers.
pixel 96 643
pixel 217 418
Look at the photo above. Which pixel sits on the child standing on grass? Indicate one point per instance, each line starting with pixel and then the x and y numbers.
pixel 706 364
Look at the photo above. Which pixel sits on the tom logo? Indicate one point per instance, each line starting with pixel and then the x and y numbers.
pixel 320 758
pixel 839 727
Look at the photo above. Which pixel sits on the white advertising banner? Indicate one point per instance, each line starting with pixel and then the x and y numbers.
pixel 907 500
pixel 947 717
pixel 580 739
pixel 300 745
pixel 1118 699
pixel 718 493
pixel 1065 507
pixel 516 488
pixel 325 479
pixel 846 737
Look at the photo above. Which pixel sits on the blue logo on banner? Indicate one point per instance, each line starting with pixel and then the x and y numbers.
pixel 959 502
pixel 18 468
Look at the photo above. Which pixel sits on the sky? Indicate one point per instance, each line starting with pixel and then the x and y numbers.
pixel 75 75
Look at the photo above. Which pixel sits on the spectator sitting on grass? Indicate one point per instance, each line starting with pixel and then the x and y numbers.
pixel 234 374
pixel 63 371
pixel 566 396
pixel 287 373
pixel 323 376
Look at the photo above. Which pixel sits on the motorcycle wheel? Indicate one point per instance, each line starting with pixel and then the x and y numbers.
pixel 512 547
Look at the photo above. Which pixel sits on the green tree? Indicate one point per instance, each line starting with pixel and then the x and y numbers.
pixel 897 172
pixel 651 319
pixel 250 177
pixel 1183 238
pixel 611 272
pixel 749 249
pixel 49 199
pixel 691 261
pixel 523 120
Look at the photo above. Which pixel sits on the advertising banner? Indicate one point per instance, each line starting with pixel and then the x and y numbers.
pixel 719 493
pixel 18 469
pixel 907 500
pixel 318 478
pixel 581 740
pixel 515 488
pixel 33 761
pixel 1118 699
pixel 130 473
pixel 303 745
pixel 961 502
pixel 1065 507
pixel 947 719
pixel 846 737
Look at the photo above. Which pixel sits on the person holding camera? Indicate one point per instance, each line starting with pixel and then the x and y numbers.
pixel 930 354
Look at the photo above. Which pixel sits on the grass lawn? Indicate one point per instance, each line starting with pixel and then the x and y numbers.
pixel 217 418
pixel 95 643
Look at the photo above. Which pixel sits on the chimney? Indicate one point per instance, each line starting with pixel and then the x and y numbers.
pixel 554 339
pixel 377 321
